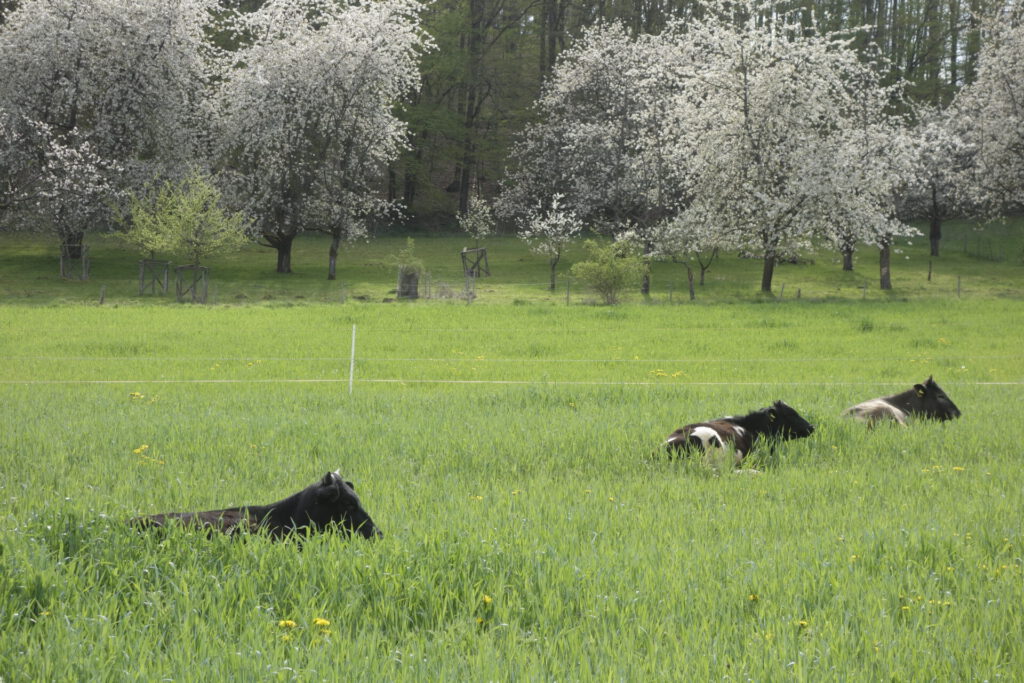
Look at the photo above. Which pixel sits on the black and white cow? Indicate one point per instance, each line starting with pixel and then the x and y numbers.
pixel 922 400
pixel 332 500
pixel 777 421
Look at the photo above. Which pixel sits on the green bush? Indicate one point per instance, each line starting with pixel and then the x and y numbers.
pixel 185 219
pixel 609 269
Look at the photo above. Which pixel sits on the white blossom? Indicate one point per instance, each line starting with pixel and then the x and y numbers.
pixel 991 116
pixel 306 119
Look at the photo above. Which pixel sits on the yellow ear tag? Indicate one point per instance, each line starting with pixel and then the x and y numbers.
pixel 771 417
pixel 920 392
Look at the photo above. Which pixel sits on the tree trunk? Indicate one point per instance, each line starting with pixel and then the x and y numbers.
pixel 474 54
pixel 554 262
pixel 884 258
pixel 283 244
pixel 332 261
pixel 847 253
pixel 768 273
pixel 284 257
pixel 645 281
pixel 935 225
pixel 71 244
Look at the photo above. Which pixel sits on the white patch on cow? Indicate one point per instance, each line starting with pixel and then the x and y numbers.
pixel 740 431
pixel 876 409
pixel 708 437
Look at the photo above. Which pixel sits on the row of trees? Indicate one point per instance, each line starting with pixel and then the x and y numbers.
pixel 754 129
pixel 685 127
pixel 290 105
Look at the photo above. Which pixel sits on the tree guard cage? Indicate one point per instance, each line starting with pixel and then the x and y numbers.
pixel 408 283
pixel 196 288
pixel 474 262
pixel 69 254
pixel 153 274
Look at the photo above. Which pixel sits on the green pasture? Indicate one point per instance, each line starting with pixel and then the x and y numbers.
pixel 976 262
pixel 511 455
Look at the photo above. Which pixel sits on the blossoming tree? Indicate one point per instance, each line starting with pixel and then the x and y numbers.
pixel 549 229
pixel 992 109
pixel 307 118
pixel 738 126
pixel 110 84
pixel 601 138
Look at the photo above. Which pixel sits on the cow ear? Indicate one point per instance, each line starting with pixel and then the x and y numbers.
pixel 350 485
pixel 328 479
pixel 919 388
pixel 771 415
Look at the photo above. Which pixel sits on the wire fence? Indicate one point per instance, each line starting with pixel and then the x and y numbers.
pixel 358 363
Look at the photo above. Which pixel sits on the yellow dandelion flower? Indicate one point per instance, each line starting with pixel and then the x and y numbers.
pixel 287 623
pixel 753 597
pixel 488 599
pixel 802 623
pixel 477 497
pixel 905 608
pixel 321 622
pixel 958 469
pixel 612 499
pixel 479 620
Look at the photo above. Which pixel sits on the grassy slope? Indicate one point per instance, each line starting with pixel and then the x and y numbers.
pixel 857 554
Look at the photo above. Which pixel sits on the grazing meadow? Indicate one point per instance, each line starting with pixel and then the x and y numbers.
pixel 511 454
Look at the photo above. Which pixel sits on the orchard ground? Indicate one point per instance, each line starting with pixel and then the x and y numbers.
pixel 985 262
pixel 511 454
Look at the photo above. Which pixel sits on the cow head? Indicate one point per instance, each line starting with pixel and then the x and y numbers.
pixel 334 500
pixel 931 401
pixel 785 423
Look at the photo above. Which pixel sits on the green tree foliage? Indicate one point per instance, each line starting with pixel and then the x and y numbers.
pixel 186 219
pixel 609 269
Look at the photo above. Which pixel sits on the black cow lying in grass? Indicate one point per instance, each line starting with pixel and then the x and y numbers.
pixel 922 400
pixel 332 500
pixel 777 421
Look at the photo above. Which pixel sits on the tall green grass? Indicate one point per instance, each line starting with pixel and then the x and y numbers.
pixel 532 530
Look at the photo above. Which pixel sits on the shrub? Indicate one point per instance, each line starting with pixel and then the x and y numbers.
pixel 610 269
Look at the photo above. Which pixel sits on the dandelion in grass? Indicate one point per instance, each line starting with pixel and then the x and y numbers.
pixel 802 624
pixel 753 597
pixel 321 622
pixel 141 449
pixel 476 497
pixel 517 492
pixel 958 469
pixel 488 599
pixel 287 623
pixel 136 395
